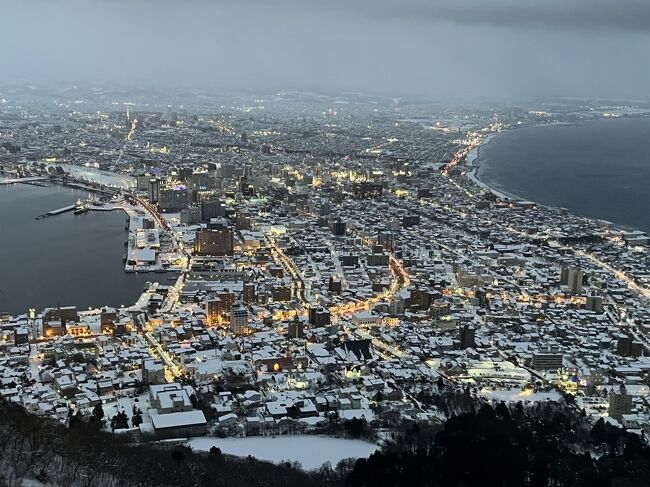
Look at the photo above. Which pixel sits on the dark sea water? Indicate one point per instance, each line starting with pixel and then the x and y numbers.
pixel 598 169
pixel 65 259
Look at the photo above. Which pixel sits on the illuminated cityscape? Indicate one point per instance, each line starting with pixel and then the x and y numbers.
pixel 324 244
pixel 376 220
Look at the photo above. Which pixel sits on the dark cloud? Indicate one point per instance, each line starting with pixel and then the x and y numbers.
pixel 555 14
pixel 435 47
pixel 588 15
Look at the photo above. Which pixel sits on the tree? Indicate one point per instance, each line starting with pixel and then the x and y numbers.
pixel 178 455
pixel 120 421
pixel 502 411
pixel 75 418
pixel 217 455
pixel 354 427
pixel 98 412
pixel 195 401
pixel 47 451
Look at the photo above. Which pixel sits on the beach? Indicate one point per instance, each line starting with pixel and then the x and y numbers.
pixel 472 167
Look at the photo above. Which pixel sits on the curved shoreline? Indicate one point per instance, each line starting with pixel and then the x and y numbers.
pixel 473 165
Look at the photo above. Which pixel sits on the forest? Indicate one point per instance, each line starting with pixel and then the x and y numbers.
pixel 544 444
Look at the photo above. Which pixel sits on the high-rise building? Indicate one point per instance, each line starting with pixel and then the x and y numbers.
pixel 239 319
pixel 227 170
pixel 627 346
pixel 420 298
pixel 217 239
pixel 409 221
pixel 547 360
pixel 63 314
pixel 276 270
pixel 564 274
pixel 338 227
pixel 227 298
pixel 281 293
pixel 296 328
pixel 172 117
pixel 319 317
pixel 173 199
pixel 243 221
pixel 108 318
pixel 212 309
pixel 387 240
pixel 366 190
pixel 575 278
pixel 212 209
pixel 620 403
pixel 349 260
pixel 191 215
pixel 467 337
pixel 377 260
pixel 245 186
pixel 325 208
pixel 249 292
pixel 143 182
pixel 200 181
pixel 154 190
pixel 21 335
pixel 594 303
pixel 572 277
pixel 335 285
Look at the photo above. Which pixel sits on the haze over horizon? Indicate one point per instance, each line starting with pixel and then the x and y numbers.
pixel 444 48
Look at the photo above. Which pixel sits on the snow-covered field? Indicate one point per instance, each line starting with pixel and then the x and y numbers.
pixel 519 395
pixel 125 404
pixel 310 451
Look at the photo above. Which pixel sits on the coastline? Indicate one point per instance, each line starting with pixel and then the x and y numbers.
pixel 472 167
pixel 472 162
pixel 130 282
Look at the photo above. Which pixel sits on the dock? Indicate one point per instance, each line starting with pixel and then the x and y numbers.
pixel 61 210
pixel 30 180
pixel 57 212
pixel 87 187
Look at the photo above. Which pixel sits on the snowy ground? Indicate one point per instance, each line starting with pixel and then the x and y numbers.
pixel 111 408
pixel 310 451
pixel 367 414
pixel 519 395
pixel 32 483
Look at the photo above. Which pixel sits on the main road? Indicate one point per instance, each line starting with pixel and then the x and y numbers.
pixel 173 294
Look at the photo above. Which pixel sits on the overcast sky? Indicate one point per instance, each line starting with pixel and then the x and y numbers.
pixel 442 48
